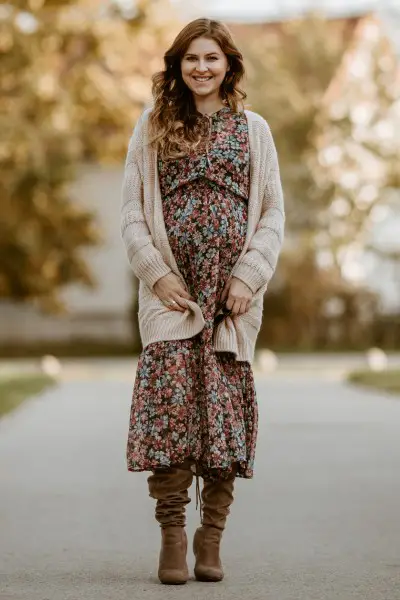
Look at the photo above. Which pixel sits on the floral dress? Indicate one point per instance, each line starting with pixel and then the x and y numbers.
pixel 190 402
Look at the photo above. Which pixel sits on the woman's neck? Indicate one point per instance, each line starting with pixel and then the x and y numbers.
pixel 207 106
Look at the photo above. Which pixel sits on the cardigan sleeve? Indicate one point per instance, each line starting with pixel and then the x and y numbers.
pixel 258 264
pixel 145 260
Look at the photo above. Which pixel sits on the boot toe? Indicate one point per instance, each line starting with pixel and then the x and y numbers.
pixel 211 574
pixel 173 577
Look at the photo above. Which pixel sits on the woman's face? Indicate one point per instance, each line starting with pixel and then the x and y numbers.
pixel 204 67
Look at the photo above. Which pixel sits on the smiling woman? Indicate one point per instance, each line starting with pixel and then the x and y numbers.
pixel 202 220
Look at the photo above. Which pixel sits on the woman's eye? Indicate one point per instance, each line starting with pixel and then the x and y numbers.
pixel 193 58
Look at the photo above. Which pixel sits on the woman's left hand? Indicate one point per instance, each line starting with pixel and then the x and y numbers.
pixel 237 296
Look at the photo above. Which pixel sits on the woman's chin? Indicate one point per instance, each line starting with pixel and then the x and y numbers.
pixel 204 92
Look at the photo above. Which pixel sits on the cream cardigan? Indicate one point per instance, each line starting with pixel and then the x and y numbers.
pixel 150 255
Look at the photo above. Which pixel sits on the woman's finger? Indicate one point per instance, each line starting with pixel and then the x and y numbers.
pixel 184 285
pixel 224 294
pixel 180 303
pixel 243 307
pixel 236 307
pixel 230 303
pixel 185 294
pixel 183 289
pixel 171 303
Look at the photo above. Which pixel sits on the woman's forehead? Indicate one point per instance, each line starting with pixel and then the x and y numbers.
pixel 203 46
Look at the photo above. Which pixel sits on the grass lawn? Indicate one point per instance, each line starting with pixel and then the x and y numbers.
pixel 388 381
pixel 14 390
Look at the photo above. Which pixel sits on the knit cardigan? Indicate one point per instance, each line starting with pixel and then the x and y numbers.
pixel 150 256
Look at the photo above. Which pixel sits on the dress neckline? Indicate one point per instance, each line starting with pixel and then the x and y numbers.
pixel 222 110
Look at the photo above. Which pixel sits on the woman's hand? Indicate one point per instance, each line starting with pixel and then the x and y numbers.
pixel 170 288
pixel 237 296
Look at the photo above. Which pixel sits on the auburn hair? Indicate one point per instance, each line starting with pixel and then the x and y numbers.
pixel 175 127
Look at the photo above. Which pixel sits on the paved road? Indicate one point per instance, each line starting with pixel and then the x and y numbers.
pixel 319 522
pixel 332 365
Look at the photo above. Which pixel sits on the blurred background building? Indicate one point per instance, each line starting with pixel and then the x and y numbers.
pixel 326 76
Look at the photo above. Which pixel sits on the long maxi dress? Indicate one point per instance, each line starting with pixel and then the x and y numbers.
pixel 190 402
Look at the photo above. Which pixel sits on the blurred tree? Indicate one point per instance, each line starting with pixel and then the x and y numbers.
pixel 74 75
pixel 290 66
pixel 312 308
pixel 356 150
pixel 329 90
pixel 41 231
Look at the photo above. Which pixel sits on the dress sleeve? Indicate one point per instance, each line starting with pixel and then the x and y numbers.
pixel 145 260
pixel 258 264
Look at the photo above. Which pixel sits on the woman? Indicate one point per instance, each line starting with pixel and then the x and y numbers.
pixel 202 221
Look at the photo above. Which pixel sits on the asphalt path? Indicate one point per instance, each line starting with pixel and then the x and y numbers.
pixel 320 520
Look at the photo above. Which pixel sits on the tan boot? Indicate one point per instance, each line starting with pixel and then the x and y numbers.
pixel 170 489
pixel 217 498
pixel 173 569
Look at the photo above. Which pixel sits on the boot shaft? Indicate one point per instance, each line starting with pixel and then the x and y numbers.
pixel 217 498
pixel 170 488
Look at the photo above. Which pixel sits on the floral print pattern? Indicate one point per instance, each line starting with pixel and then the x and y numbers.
pixel 190 402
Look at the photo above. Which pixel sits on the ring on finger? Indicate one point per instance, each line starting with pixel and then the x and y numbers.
pixel 170 302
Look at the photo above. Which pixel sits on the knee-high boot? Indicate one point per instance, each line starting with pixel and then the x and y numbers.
pixel 217 497
pixel 170 489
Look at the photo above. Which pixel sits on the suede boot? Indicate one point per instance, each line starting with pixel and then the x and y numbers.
pixel 170 488
pixel 217 498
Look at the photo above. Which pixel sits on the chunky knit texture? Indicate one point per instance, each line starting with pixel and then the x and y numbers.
pixel 150 255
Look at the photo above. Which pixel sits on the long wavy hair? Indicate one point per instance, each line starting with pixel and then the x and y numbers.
pixel 175 127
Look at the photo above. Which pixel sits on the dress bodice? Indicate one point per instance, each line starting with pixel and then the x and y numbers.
pixel 222 157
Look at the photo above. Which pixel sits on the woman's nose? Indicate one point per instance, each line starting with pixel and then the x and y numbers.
pixel 202 67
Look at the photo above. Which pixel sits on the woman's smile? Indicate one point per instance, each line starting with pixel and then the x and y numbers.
pixel 202 78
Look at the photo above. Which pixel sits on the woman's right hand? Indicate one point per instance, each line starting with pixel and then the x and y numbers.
pixel 170 288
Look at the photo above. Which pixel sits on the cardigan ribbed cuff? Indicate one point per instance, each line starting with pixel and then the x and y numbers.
pixel 151 269
pixel 251 275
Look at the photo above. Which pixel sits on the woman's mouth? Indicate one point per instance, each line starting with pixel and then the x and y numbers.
pixel 202 79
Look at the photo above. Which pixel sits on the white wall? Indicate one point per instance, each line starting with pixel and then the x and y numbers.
pixel 101 313
pixel 98 188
